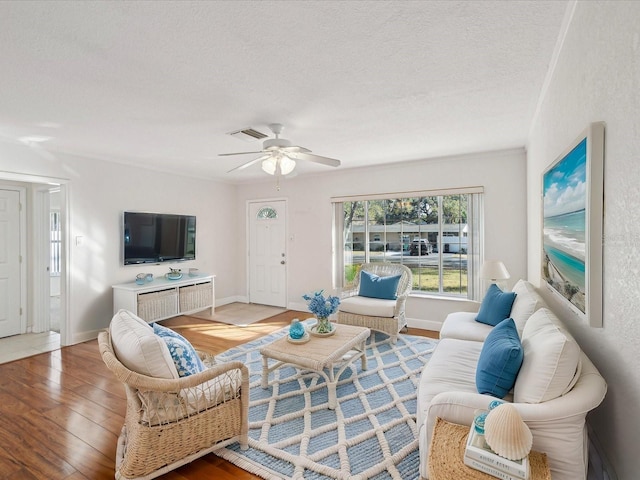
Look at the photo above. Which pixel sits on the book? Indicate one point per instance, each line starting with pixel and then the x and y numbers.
pixel 478 451
pixel 483 467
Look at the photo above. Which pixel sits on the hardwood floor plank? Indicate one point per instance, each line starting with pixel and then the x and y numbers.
pixel 82 456
pixel 29 447
pixel 8 465
pixel 61 412
pixel 99 437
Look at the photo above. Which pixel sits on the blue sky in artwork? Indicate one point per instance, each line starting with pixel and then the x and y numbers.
pixel 565 184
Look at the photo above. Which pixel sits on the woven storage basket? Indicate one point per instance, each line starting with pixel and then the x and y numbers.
pixel 162 304
pixel 196 296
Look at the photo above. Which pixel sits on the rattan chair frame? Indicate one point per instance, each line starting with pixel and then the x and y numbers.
pixel 388 325
pixel 145 450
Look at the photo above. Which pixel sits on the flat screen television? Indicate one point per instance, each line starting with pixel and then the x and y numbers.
pixel 158 237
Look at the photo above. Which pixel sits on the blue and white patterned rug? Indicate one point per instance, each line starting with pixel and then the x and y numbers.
pixel 371 433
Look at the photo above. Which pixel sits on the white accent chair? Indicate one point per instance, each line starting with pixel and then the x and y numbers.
pixel 386 316
pixel 170 420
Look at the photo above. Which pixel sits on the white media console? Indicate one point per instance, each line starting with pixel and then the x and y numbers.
pixel 163 298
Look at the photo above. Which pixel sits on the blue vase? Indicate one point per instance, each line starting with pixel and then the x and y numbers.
pixel 296 330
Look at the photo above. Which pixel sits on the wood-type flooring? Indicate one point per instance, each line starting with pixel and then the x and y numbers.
pixel 61 412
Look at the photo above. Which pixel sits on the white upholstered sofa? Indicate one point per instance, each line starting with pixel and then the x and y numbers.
pixel 555 388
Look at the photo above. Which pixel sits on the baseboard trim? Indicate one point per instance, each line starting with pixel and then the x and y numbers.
pixel 227 300
pixel 299 306
pixel 84 336
pixel 424 324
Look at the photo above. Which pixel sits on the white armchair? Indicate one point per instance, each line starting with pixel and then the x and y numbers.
pixel 383 315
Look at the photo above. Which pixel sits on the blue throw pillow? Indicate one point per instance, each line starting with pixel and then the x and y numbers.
pixel 500 360
pixel 182 352
pixel 373 286
pixel 496 306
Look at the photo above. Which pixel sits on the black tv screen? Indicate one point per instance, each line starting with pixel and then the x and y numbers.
pixel 158 237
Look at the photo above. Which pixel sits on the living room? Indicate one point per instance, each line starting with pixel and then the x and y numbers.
pixel 594 75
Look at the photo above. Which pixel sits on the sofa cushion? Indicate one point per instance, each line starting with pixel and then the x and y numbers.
pixel 496 306
pixel 551 360
pixel 451 368
pixel 527 301
pixel 184 356
pixel 370 307
pixel 374 286
pixel 138 348
pixel 463 325
pixel 500 360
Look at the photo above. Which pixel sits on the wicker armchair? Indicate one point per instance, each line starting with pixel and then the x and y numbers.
pixel 361 311
pixel 171 422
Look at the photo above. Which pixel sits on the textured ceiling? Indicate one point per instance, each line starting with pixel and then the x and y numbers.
pixel 368 82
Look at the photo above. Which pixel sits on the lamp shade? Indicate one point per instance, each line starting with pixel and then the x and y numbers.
pixel 494 270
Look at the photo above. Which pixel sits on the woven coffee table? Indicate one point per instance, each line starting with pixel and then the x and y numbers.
pixel 326 356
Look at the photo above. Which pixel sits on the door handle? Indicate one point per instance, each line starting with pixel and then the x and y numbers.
pixel 282 262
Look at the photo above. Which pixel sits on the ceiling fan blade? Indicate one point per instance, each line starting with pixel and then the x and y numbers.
pixel 332 162
pixel 294 149
pixel 239 153
pixel 249 163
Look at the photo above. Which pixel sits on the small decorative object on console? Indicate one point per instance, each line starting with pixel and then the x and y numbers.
pixel 140 278
pixel 174 274
pixel 149 277
pixel 322 307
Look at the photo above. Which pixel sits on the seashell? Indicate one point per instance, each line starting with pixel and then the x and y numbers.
pixel 506 433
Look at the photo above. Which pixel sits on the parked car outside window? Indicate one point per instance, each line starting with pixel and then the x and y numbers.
pixel 420 247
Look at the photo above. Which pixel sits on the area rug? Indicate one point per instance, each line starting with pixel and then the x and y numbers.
pixel 371 434
pixel 240 313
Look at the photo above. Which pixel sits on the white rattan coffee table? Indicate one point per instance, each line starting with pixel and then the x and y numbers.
pixel 327 356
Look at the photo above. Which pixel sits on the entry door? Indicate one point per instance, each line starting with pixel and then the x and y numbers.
pixel 10 323
pixel 267 253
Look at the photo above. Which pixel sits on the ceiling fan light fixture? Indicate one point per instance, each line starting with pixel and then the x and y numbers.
pixel 269 165
pixel 287 165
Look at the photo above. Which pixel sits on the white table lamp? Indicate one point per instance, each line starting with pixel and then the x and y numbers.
pixel 494 270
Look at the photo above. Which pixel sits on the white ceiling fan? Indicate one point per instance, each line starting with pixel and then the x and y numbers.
pixel 279 155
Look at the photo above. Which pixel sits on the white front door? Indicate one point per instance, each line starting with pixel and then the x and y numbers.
pixel 10 281
pixel 267 253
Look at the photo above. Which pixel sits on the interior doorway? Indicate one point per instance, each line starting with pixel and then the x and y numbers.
pixel 44 296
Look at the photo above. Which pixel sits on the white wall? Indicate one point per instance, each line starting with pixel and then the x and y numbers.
pixel 597 78
pixel 310 216
pixel 98 194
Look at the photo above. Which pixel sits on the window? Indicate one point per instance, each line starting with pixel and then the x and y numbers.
pixel 436 234
pixel 266 213
pixel 55 242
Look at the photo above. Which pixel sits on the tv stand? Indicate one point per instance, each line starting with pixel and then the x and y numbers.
pixel 163 298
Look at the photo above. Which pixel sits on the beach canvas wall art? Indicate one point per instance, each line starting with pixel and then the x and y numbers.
pixel 572 225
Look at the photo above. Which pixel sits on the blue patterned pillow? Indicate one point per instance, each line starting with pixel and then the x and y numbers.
pixel 182 352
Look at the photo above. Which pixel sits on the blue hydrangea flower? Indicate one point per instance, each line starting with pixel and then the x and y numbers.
pixel 320 306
